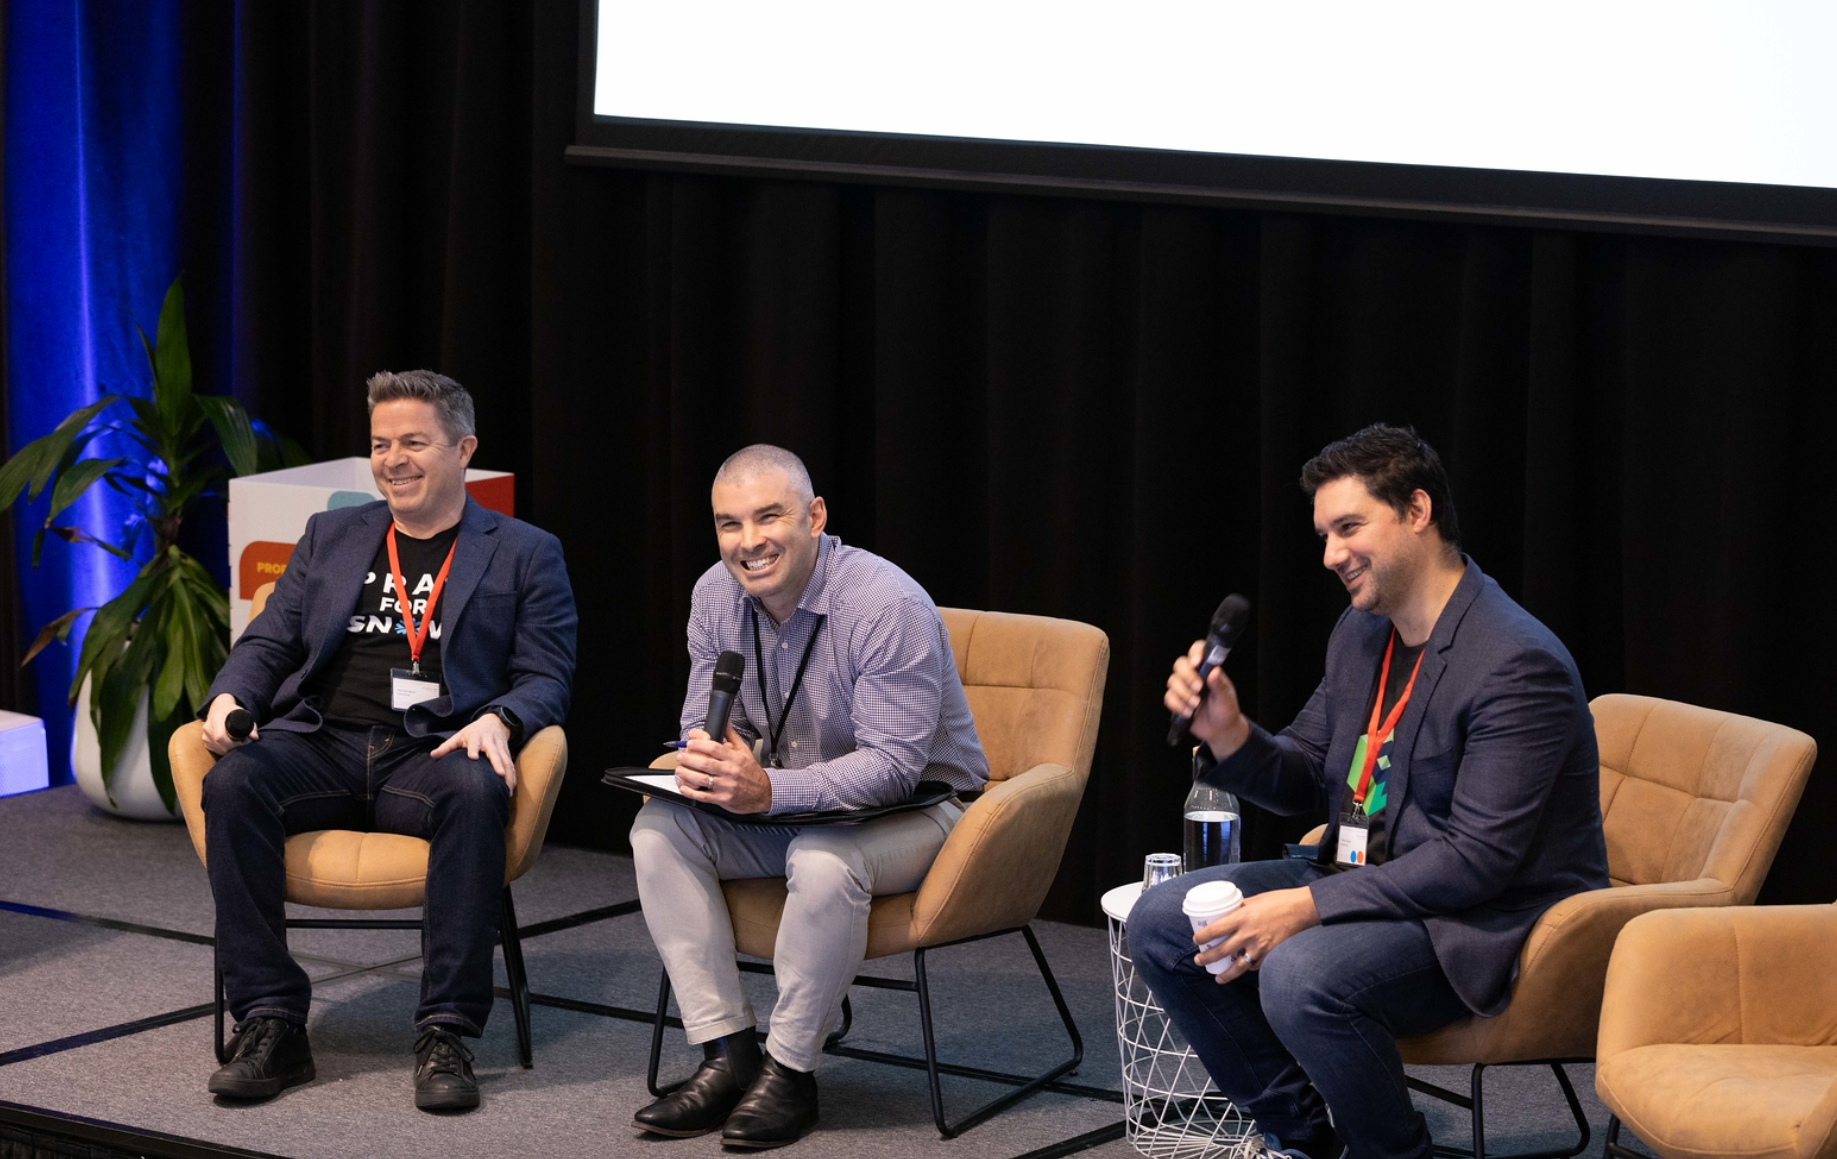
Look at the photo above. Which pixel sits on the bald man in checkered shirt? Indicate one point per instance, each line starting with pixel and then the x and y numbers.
pixel 850 699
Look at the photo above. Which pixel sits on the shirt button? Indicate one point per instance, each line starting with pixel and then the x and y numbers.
pixel 793 744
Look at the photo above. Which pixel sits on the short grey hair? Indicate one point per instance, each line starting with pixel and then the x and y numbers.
pixel 451 401
pixel 749 463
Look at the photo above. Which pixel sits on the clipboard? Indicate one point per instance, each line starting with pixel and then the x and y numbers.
pixel 652 783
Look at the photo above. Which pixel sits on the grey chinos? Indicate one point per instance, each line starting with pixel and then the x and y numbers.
pixel 833 873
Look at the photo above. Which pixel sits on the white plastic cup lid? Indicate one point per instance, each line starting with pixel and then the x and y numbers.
pixel 1212 897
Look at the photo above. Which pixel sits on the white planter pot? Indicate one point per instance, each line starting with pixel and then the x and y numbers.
pixel 133 794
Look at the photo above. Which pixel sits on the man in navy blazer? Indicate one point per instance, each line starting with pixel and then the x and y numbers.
pixel 407 650
pixel 1452 748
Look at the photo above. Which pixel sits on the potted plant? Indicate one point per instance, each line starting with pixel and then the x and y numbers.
pixel 160 642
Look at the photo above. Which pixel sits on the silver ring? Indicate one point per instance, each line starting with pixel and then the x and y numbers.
pixel 1250 959
pixel 711 780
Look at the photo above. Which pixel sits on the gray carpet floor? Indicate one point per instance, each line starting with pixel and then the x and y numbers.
pixel 60 979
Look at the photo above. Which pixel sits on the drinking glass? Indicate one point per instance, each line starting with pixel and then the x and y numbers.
pixel 1158 867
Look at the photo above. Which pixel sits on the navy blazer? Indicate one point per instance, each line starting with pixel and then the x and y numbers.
pixel 1494 810
pixel 506 627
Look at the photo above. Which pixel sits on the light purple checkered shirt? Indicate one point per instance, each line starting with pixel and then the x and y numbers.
pixel 880 708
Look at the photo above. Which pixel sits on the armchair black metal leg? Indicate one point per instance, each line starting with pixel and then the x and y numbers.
pixel 1575 1111
pixel 922 985
pixel 663 1010
pixel 1475 1105
pixel 517 978
pixel 223 1050
pixel 848 1021
pixel 1612 1148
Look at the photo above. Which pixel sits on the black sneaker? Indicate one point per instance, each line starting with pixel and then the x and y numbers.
pixel 267 1055
pixel 443 1072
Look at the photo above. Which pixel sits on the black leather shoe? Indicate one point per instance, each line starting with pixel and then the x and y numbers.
pixel 701 1105
pixel 778 1108
pixel 443 1072
pixel 267 1055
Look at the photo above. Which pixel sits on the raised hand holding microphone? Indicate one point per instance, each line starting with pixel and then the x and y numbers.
pixel 1199 695
pixel 723 772
pixel 729 668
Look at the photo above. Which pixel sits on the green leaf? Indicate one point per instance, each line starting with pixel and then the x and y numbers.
pixel 38 459
pixel 292 453
pixel 72 483
pixel 234 431
pixel 113 703
pixel 149 426
pixel 77 535
pixel 159 736
pixel 109 632
pixel 173 626
pixel 201 611
pixel 278 451
pixel 58 629
pixel 177 497
pixel 171 360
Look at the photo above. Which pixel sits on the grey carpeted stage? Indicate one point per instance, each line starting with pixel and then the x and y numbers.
pixel 105 986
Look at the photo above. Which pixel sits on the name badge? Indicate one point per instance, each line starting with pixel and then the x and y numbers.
pixel 406 689
pixel 1354 828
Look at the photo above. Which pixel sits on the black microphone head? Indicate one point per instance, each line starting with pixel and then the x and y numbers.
pixel 729 667
pixel 239 723
pixel 1230 620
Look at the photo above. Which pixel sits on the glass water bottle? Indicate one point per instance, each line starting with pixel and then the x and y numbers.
pixel 1213 827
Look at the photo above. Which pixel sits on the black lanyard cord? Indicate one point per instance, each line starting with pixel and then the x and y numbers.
pixel 773 732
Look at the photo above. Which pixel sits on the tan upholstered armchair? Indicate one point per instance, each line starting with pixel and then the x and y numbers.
pixel 348 870
pixel 1719 1034
pixel 1035 686
pixel 1694 803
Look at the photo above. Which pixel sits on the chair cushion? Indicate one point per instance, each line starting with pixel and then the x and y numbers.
pixel 345 869
pixel 1757 1102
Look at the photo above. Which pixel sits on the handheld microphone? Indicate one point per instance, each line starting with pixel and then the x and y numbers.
pixel 239 724
pixel 728 670
pixel 1228 623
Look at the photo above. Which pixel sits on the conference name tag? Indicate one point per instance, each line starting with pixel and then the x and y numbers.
pixel 1353 830
pixel 408 688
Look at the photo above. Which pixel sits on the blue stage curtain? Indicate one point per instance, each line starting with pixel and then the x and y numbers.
pixel 93 185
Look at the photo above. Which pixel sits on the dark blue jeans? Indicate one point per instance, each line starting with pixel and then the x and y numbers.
pixel 375 779
pixel 1315 1026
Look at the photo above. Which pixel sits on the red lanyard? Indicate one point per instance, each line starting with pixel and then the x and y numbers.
pixel 1376 732
pixel 417 633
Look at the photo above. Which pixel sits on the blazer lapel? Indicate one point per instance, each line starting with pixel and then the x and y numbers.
pixel 1434 663
pixel 471 556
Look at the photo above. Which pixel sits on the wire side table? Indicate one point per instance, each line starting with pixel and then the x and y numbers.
pixel 1171 1110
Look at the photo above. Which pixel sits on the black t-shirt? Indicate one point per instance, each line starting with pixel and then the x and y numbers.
pixel 1403 663
pixel 354 688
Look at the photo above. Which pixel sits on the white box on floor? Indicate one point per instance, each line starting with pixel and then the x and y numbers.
pixel 23 766
pixel 268 514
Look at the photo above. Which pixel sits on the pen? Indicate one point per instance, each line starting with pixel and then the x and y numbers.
pixel 675 744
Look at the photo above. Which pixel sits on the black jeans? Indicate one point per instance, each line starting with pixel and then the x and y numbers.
pixel 1315 1026
pixel 355 778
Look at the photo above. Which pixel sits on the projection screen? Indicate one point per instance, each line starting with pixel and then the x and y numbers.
pixel 1683 116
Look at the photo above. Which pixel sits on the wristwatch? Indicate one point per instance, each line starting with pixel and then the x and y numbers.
pixel 508 717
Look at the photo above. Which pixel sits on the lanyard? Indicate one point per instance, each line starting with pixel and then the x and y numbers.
pixel 773 732
pixel 1376 732
pixel 417 633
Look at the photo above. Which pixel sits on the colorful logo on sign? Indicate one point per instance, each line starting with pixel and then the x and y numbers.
pixel 262 562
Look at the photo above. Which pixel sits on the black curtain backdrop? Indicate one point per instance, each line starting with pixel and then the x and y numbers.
pixel 1085 409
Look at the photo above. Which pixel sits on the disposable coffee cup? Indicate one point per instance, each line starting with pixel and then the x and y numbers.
pixel 1206 903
